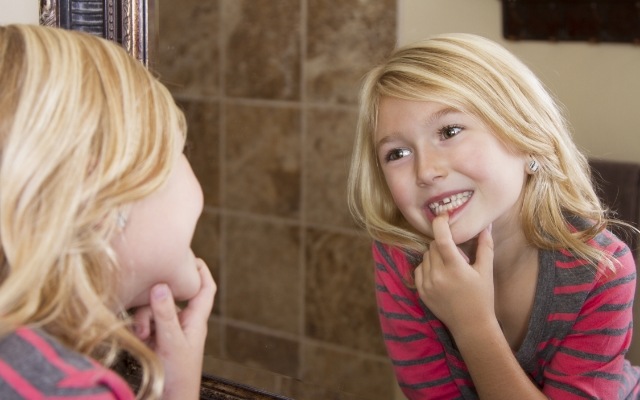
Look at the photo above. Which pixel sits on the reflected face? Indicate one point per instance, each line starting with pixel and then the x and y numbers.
pixel 155 245
pixel 439 160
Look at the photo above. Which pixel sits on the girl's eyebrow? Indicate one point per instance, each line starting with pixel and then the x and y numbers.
pixel 443 112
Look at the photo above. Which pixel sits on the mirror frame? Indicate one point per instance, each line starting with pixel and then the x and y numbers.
pixel 131 23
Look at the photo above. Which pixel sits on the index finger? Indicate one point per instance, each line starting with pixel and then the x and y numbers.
pixel 444 240
pixel 200 306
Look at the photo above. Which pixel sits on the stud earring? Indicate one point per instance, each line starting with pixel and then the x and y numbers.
pixel 121 220
pixel 533 166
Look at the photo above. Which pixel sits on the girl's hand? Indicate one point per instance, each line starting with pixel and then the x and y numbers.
pixel 178 337
pixel 459 294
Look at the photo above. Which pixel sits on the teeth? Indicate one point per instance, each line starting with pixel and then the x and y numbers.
pixel 450 203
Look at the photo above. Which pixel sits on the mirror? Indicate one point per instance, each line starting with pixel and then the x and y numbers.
pixel 269 90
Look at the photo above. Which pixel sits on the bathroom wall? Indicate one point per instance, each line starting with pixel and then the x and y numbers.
pixel 22 12
pixel 269 89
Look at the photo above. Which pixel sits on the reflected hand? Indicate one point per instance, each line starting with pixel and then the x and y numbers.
pixel 455 291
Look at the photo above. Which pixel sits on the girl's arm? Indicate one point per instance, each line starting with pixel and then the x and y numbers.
pixel 417 355
pixel 590 360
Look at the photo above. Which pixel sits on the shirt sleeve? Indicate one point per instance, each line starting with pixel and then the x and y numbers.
pixel 590 361
pixel 410 336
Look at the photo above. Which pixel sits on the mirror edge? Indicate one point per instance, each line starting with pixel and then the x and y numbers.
pixel 131 23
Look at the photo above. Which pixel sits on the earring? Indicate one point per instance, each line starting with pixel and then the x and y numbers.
pixel 533 166
pixel 121 220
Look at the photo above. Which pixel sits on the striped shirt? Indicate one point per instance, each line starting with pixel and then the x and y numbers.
pixel 579 331
pixel 33 365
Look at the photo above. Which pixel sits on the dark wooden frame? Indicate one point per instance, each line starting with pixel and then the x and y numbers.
pixel 613 21
pixel 131 23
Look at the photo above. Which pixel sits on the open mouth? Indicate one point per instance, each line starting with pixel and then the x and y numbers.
pixel 450 203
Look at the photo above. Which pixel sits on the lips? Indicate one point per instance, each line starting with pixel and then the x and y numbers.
pixel 449 203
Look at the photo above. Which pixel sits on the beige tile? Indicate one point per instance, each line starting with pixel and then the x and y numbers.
pixel 345 372
pixel 263 158
pixel 328 152
pixel 213 346
pixel 262 49
pixel 344 40
pixel 260 351
pixel 263 273
pixel 188 55
pixel 203 145
pixel 340 292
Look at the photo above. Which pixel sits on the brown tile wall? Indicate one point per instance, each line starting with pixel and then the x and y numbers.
pixel 269 89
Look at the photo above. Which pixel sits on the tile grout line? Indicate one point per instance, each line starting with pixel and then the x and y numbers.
pixel 222 222
pixel 303 188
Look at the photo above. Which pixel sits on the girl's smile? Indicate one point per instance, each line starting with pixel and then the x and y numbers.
pixel 447 204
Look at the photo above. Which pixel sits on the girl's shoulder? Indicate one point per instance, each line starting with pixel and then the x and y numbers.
pixel 37 364
pixel 394 266
pixel 604 241
pixel 616 259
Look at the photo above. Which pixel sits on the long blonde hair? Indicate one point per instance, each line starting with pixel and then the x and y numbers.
pixel 475 75
pixel 85 130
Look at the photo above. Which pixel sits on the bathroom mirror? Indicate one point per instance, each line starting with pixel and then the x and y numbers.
pixel 269 90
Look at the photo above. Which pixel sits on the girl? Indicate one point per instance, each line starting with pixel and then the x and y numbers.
pixel 496 276
pixel 98 206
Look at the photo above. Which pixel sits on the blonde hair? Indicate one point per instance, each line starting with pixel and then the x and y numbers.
pixel 85 130
pixel 475 75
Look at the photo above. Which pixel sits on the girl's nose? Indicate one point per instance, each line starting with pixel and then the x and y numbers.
pixel 429 168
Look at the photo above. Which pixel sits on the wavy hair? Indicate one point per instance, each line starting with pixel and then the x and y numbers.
pixel 85 130
pixel 475 75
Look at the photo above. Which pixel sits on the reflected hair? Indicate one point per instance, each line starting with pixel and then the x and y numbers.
pixel 85 130
pixel 477 76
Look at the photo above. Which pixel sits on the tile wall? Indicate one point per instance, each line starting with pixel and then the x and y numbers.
pixel 269 89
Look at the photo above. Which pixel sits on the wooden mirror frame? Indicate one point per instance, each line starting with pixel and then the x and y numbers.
pixel 131 23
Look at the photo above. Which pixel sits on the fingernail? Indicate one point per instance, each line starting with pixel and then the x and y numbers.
pixel 160 292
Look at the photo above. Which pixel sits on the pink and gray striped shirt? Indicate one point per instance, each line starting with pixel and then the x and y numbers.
pixel 579 331
pixel 33 365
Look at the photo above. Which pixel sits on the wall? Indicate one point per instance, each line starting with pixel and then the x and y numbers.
pixel 597 83
pixel 22 11
pixel 269 89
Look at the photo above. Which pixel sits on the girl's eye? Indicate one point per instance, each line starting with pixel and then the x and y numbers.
pixel 447 132
pixel 396 154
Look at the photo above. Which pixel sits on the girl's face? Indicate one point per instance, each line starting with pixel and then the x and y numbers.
pixel 439 160
pixel 155 245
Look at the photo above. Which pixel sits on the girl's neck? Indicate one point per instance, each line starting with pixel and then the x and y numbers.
pixel 512 252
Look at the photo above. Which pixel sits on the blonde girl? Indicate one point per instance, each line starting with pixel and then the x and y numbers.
pixel 97 210
pixel 496 276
